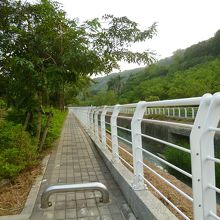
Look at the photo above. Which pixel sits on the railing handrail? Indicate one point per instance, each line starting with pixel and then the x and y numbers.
pixel 205 112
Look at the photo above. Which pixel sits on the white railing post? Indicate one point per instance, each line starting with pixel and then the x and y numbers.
pixel 92 123
pixel 88 119
pixel 185 112
pixel 83 118
pixel 199 145
pixel 114 134
pixel 103 131
pixel 96 126
pixel 207 150
pixel 138 182
pixel 179 112
pixel 193 113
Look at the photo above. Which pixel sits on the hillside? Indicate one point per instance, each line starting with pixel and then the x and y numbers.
pixel 189 72
pixel 100 83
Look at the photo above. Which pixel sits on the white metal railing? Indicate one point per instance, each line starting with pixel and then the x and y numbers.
pixel 104 132
pixel 184 112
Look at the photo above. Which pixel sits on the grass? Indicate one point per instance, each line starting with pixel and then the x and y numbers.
pixel 166 118
pixel 55 126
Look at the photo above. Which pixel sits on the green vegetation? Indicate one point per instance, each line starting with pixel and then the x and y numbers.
pixel 46 60
pixel 190 72
pixel 100 83
pixel 179 158
pixel 55 126
pixel 40 44
pixel 3 105
pixel 18 149
pixel 183 160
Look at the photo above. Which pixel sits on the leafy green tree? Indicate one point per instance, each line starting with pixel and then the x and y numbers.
pixel 104 98
pixel 42 51
pixel 115 84
pixel 73 92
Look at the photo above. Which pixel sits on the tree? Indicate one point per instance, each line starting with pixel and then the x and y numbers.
pixel 104 98
pixel 75 91
pixel 41 51
pixel 115 84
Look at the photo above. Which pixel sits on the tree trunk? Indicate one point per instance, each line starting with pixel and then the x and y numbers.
pixel 39 118
pixel 46 98
pixel 49 117
pixel 28 116
pixel 61 99
pixel 39 126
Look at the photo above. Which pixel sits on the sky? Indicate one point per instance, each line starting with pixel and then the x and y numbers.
pixel 180 23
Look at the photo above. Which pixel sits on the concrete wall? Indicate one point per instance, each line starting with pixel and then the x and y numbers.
pixel 165 132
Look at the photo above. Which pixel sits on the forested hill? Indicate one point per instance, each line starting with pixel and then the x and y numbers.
pixel 190 72
pixel 100 83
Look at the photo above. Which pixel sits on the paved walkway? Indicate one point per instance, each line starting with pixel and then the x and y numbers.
pixel 76 161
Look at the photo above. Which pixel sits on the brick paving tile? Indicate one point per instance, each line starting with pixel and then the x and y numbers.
pixel 76 160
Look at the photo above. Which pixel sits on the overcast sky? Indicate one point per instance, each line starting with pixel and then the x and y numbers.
pixel 181 23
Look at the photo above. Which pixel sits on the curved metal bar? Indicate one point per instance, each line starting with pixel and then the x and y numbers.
pixel 72 188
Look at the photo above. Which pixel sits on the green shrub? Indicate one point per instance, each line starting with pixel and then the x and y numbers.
pixel 183 160
pixel 179 158
pixel 152 98
pixel 15 116
pixel 55 126
pixel 3 105
pixel 17 150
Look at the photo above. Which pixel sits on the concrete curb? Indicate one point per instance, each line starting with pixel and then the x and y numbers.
pixel 32 196
pixel 143 203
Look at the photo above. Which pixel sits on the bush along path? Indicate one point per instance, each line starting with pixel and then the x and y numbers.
pixel 21 155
